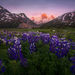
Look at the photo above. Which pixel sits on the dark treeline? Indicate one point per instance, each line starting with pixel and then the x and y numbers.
pixel 9 25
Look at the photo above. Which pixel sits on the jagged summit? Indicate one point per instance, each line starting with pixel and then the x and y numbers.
pixel 7 18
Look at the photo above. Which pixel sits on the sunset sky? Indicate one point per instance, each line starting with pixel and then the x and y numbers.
pixel 35 8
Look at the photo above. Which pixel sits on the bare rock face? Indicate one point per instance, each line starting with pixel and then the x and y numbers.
pixel 12 20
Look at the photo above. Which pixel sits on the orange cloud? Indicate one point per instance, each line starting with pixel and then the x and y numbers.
pixel 32 18
pixel 52 17
pixel 44 16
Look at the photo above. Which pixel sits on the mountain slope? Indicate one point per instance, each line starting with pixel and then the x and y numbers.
pixel 8 19
pixel 66 20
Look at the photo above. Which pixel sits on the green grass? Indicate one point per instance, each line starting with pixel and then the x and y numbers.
pixel 69 33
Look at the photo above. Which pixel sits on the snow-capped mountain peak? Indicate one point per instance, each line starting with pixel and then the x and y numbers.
pixel 67 19
pixel 8 17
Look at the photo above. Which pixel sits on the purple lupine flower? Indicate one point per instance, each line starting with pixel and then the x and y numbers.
pixel 14 49
pixel 72 59
pixel 72 68
pixel 22 59
pixel 45 38
pixel 63 48
pixel 0 62
pixel 10 35
pixel 2 68
pixel 30 39
pixel 73 45
pixel 70 40
pixel 32 47
pixel 52 48
pixel 36 38
pixel 61 53
pixel 6 41
pixel 59 46
pixel 13 53
pixel 53 43
pixel 24 37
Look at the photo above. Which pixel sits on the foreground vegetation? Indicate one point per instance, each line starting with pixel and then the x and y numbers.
pixel 41 62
